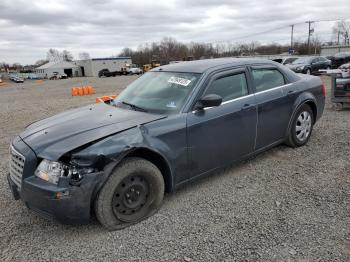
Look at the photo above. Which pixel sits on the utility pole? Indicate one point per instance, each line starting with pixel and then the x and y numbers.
pixel 291 36
pixel 346 38
pixel 309 35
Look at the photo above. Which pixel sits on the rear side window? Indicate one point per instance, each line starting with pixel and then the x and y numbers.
pixel 265 79
pixel 229 87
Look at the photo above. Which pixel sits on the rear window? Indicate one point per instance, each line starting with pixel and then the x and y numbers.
pixel 265 79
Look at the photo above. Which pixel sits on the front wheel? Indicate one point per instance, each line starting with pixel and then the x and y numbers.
pixel 301 127
pixel 133 192
pixel 308 71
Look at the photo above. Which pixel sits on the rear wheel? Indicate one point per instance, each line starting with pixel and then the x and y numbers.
pixel 301 127
pixel 133 192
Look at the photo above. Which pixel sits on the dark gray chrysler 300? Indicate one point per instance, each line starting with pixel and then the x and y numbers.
pixel 175 123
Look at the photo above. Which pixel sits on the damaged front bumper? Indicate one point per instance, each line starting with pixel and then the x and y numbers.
pixel 68 204
pixel 64 202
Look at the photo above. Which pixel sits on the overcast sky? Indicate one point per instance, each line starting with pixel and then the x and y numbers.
pixel 102 28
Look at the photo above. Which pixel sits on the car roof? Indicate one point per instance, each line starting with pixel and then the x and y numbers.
pixel 200 66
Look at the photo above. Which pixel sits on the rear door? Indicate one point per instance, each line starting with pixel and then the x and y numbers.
pixel 217 136
pixel 274 104
pixel 316 64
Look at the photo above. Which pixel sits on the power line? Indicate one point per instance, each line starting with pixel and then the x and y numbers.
pixel 279 28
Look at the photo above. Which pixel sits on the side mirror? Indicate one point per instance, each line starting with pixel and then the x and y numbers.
pixel 208 101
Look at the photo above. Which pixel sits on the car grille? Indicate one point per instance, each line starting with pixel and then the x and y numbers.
pixel 16 166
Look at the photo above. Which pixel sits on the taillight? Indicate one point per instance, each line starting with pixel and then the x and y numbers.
pixel 323 89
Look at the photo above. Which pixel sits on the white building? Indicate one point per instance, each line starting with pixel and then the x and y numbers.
pixel 91 67
pixel 61 67
pixel 332 50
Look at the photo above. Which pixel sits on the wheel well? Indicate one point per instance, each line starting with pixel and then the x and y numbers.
pixel 158 161
pixel 313 107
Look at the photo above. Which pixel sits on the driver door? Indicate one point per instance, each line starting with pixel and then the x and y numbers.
pixel 217 136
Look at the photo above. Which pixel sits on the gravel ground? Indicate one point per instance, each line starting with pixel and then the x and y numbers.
pixel 284 205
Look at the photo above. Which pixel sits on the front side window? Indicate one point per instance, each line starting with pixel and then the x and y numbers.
pixel 229 87
pixel 265 79
pixel 159 92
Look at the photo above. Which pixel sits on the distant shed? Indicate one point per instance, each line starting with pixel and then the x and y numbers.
pixel 91 67
pixel 61 67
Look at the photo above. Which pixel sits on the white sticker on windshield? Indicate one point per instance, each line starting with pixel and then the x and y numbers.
pixel 179 81
pixel 171 104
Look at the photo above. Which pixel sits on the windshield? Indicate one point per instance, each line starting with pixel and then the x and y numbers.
pixel 302 60
pixel 158 92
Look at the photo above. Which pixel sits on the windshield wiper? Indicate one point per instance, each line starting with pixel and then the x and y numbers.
pixel 135 107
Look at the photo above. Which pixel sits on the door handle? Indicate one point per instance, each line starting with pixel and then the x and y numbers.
pixel 247 107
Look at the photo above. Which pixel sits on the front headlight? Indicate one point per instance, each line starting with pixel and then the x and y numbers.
pixel 300 68
pixel 51 171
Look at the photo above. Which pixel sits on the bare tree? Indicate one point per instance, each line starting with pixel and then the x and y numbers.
pixel 126 52
pixel 84 56
pixel 40 62
pixel 66 55
pixel 53 55
pixel 341 30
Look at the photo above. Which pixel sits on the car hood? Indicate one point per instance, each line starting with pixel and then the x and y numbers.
pixel 54 136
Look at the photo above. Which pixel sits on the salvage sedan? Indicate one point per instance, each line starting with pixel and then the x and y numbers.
pixel 310 65
pixel 175 123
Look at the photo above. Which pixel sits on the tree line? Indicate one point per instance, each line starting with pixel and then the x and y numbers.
pixel 169 49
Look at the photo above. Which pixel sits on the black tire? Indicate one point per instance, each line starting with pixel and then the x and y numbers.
pixel 308 71
pixel 295 137
pixel 133 192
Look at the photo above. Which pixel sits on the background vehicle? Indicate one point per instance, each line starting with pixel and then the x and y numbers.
pixel 285 60
pixel 157 135
pixel 153 64
pixel 106 73
pixel 147 67
pixel 56 76
pixel 340 93
pixel 134 70
pixel 340 59
pixel 310 65
pixel 345 70
pixel 16 79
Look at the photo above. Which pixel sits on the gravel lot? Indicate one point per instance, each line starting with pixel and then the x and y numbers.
pixel 284 205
